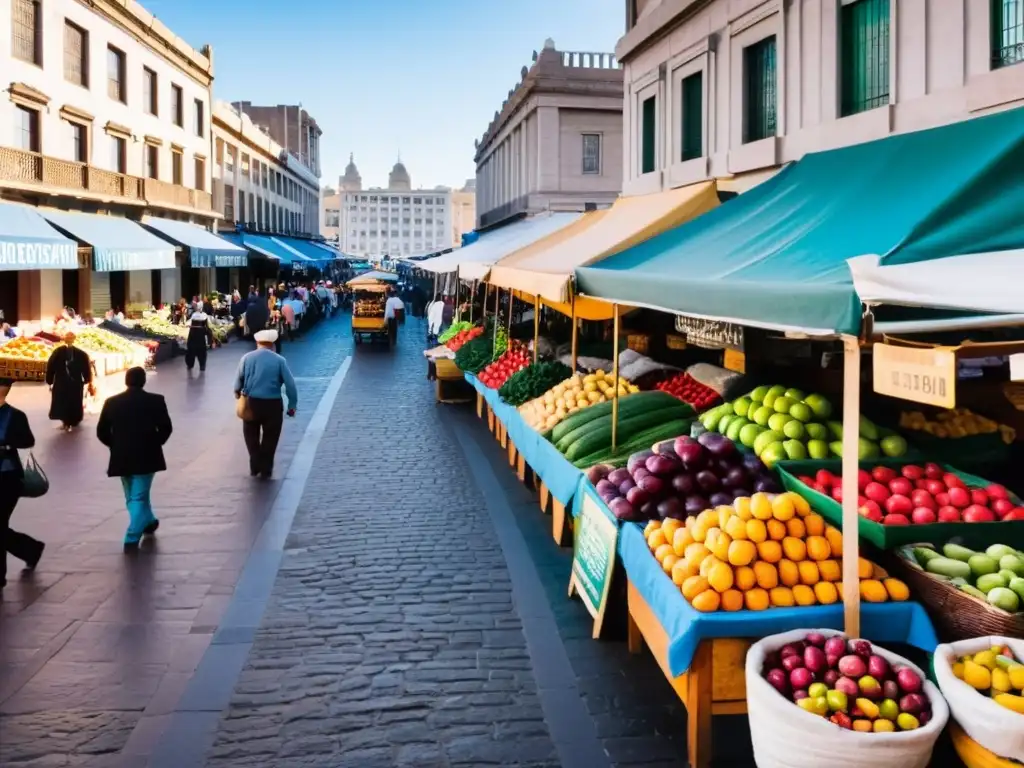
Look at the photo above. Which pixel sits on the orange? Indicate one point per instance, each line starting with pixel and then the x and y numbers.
pixel 794 549
pixel 818 548
pixel 815 525
pixel 826 593
pixel 707 601
pixel 736 528
pixel 722 515
pixel 656 539
pixel 745 578
pixel 761 506
pixel 808 572
pixel 756 599
pixel 776 530
pixel 696 552
pixel 693 586
pixel 878 572
pixel 756 531
pixel 669 562
pixel 782 507
pixel 864 568
pixel 742 507
pixel 789 574
pixel 804 595
pixel 652 526
pixel 769 551
pixel 782 597
pixel 830 570
pixel 706 563
pixel 720 546
pixel 835 541
pixel 680 571
pixel 663 551
pixel 720 577
pixel 800 504
pixel 897 590
pixel 796 528
pixel 742 552
pixel 767 576
pixel 732 600
pixel 872 591
pixel 681 539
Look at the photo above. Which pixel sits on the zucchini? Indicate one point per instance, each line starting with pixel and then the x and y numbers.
pixel 601 435
pixel 627 405
pixel 640 442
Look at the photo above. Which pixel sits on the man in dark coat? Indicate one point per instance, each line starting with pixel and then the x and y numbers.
pixel 257 315
pixel 135 425
pixel 68 372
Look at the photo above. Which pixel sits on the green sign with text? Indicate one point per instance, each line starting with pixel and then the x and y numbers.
pixel 593 558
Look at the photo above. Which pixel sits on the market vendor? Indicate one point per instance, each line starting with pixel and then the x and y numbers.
pixel 200 334
pixel 68 372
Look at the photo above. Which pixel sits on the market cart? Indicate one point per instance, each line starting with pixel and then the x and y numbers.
pixel 368 321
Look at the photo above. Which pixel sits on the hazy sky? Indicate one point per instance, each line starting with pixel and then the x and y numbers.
pixel 422 77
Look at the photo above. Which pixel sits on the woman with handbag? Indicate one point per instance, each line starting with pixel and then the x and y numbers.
pixel 68 373
pixel 15 434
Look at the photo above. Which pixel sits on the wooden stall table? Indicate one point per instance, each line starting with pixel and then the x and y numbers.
pixel 715 683
pixel 451 384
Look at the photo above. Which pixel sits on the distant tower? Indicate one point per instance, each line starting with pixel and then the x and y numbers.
pixel 351 181
pixel 398 179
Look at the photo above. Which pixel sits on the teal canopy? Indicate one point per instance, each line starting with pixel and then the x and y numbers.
pixel 776 256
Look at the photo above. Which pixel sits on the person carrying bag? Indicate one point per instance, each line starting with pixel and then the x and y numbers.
pixel 16 481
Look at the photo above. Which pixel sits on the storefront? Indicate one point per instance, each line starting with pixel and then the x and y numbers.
pixel 209 257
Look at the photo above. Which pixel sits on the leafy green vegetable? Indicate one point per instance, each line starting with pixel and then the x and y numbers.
pixel 533 381
pixel 475 354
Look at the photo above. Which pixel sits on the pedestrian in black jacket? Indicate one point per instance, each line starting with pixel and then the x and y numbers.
pixel 257 315
pixel 135 425
pixel 15 434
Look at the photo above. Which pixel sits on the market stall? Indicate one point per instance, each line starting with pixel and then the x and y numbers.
pixel 369 296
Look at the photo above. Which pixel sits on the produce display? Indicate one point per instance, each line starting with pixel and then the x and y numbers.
pixel 101 341
pixel 500 342
pixel 760 552
pixel 159 326
pixel 454 330
pixel 959 422
pixel 682 478
pixel 456 342
pixel 995 575
pixel 689 390
pixel 533 381
pixel 779 423
pixel 848 683
pixel 474 354
pixel 920 495
pixel 25 348
pixel 995 673
pixel 369 305
pixel 573 394
pixel 514 360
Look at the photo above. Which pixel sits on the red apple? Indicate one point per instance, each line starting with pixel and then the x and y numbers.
pixel 935 487
pixel 901 486
pixel 1017 513
pixel 808 481
pixel 933 471
pixel 912 472
pixel 895 520
pixel 874 514
pixel 923 516
pixel 898 505
pixel 876 492
pixel 883 474
pixel 820 488
pixel 952 481
pixel 979 497
pixel 824 477
pixel 942 499
pixel 861 500
pixel 921 483
pixel 949 515
pixel 1001 506
pixel 959 498
pixel 979 514
pixel 997 491
pixel 923 499
pixel 872 507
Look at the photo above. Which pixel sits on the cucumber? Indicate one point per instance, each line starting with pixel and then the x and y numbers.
pixel 638 400
pixel 601 436
pixel 924 554
pixel 947 566
pixel 974 592
pixel 639 442
pixel 603 422
pixel 957 552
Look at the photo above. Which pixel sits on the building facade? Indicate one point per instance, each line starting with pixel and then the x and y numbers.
pixel 105 111
pixel 736 88
pixel 395 222
pixel 556 142
pixel 463 211
pixel 330 220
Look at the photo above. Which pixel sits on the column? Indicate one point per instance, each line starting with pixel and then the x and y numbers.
pixel 547 149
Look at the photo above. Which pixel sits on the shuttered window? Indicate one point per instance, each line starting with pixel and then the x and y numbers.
pixel 76 63
pixel 759 85
pixel 1007 33
pixel 26 31
pixel 648 134
pixel 116 75
pixel 692 119
pixel 864 52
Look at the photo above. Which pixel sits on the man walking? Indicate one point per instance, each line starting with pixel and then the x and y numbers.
pixel 261 374
pixel 391 314
pixel 135 425
pixel 257 315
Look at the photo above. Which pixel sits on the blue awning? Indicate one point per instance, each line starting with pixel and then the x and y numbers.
pixel 117 244
pixel 263 246
pixel 205 248
pixel 333 252
pixel 306 251
pixel 28 242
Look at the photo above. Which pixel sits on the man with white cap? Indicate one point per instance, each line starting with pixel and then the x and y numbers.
pixel 261 375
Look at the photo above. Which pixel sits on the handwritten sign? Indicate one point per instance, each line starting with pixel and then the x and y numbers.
pixel 921 375
pixel 735 361
pixel 711 334
pixel 593 558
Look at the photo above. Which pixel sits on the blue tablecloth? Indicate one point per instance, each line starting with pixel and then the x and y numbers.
pixel 686 627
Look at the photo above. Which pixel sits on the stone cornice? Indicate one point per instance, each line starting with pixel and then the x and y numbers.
pixel 27 95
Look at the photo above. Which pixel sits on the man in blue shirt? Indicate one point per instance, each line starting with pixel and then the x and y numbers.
pixel 261 374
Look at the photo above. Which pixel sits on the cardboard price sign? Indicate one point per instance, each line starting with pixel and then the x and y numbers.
pixel 595 541
pixel 921 375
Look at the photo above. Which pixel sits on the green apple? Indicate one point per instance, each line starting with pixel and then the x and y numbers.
pixel 741 406
pixel 818 449
pixel 778 420
pixel 795 394
pixel 866 449
pixel 794 430
pixel 735 425
pixel 816 431
pixel 801 412
pixel 782 404
pixel 762 415
pixel 795 450
pixel 777 391
pixel 758 394
pixel 765 439
pixel 894 446
pixel 772 453
pixel 749 434
pixel 822 408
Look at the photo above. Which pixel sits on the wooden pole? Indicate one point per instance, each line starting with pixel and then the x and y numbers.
pixel 536 325
pixel 497 315
pixel 472 301
pixel 615 375
pixel 483 307
pixel 511 303
pixel 851 433
pixel 572 304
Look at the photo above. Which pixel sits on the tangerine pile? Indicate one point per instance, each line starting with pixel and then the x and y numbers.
pixel 761 552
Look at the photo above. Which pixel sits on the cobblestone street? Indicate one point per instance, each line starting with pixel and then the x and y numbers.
pixel 394 600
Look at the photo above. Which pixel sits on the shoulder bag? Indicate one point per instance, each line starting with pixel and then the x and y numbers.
pixel 34 482
pixel 242 408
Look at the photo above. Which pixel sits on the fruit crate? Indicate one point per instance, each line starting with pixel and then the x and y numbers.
pixel 9 370
pixel 892 536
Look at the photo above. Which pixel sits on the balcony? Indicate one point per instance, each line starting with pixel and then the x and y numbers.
pixel 33 171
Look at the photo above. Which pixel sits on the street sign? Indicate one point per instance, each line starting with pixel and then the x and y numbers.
pixel 595 541
pixel 919 374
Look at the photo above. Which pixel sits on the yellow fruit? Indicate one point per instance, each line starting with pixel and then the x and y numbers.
pixel 720 577
pixel 742 552
pixel 818 548
pixel 767 576
pixel 958 670
pixel 720 546
pixel 705 566
pixel 878 572
pixel 789 574
pixel 799 503
pixel 745 578
pixel 782 597
pixel 803 595
pixel 769 551
pixel 699 530
pixel 977 676
pixel 986 659
pixel 742 508
pixel 1000 681
pixel 732 600
pixel 815 525
pixel 897 590
pixel 663 551
pixel 808 572
pixel 835 541
pixel 883 726
pixel 864 568
pixel 651 527
pixel 794 549
pixel 830 570
pixel 707 601
pixel 656 539
pixel 756 531
pixel 1011 702
pixel 1017 677
pixel 669 561
pixel 681 539
pixel 783 508
pixel 756 599
pixel 696 552
pixel 679 572
pixel 872 591
pixel 776 530
pixel 761 506
pixel 795 527
pixel 722 515
pixel 736 528
pixel 826 592
pixel 693 586
pixel 669 528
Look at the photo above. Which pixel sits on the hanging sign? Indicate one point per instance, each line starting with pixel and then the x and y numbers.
pixel 919 374
pixel 711 334
pixel 595 539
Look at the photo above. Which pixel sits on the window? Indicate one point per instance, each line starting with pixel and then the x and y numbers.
pixel 115 75
pixel 648 134
pixel 229 202
pixel 252 207
pixel 200 173
pixel 152 161
pixel 199 127
pixel 26 31
pixel 26 129
pixel 229 161
pixel 245 164
pixel 692 119
pixel 1007 33
pixel 759 83
pixel 177 106
pixel 118 154
pixel 76 54
pixel 417 201
pixel 591 153
pixel 864 52
pixel 149 94
pixel 79 140
pixel 176 173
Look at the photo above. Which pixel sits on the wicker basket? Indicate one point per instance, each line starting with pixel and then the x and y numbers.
pixel 639 342
pixel 957 615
